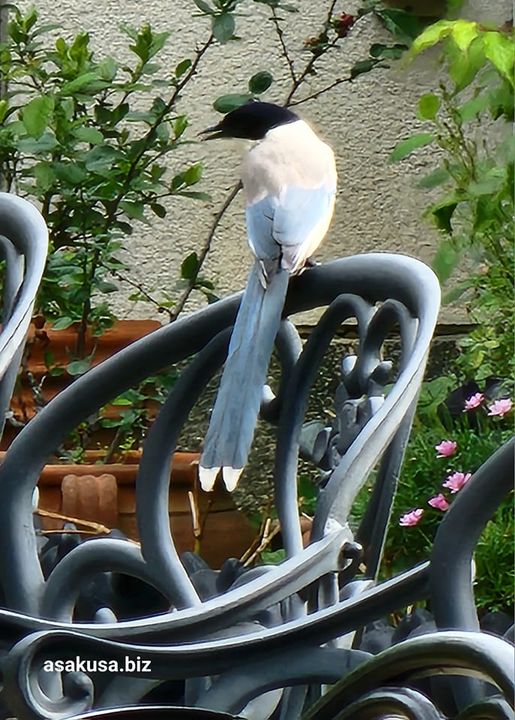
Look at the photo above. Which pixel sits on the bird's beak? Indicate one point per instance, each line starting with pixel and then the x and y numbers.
pixel 211 133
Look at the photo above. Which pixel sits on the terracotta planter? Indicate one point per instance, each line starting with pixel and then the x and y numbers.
pixel 59 344
pixel 105 494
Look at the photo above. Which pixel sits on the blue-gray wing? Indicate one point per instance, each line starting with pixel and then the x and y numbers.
pixel 290 226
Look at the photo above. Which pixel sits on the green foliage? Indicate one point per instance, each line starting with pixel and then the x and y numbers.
pixel 470 117
pixel 422 477
pixel 86 138
pixel 129 416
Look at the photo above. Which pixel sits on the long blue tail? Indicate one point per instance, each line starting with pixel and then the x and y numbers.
pixel 236 409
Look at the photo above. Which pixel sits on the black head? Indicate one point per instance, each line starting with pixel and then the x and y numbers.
pixel 252 121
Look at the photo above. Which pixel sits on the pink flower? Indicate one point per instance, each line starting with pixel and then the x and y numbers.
pixel 456 481
pixel 439 502
pixel 446 448
pixel 474 401
pixel 411 518
pixel 500 407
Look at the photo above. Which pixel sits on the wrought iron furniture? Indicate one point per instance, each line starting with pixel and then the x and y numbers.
pixel 23 249
pixel 265 646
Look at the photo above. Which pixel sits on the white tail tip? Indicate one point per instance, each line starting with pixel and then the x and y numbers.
pixel 207 477
pixel 231 477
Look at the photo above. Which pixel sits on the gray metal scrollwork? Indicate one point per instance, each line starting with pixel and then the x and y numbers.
pixel 277 627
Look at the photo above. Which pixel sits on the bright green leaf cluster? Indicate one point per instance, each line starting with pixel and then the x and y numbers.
pixel 476 207
pixel 92 141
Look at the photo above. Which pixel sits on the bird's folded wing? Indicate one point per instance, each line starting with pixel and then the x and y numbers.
pixel 290 225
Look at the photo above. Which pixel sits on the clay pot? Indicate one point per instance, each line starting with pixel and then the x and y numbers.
pixel 105 494
pixel 44 342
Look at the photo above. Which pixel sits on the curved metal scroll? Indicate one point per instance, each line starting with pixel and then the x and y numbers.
pixel 382 293
pixel 23 246
pixel 452 653
pixel 384 277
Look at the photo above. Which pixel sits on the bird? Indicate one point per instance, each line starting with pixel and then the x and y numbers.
pixel 289 180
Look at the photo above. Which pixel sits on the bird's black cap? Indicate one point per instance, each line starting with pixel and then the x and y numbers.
pixel 252 121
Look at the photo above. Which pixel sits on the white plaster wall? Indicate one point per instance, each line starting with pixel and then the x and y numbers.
pixel 378 206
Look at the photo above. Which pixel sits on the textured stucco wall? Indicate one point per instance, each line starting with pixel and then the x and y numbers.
pixel 378 206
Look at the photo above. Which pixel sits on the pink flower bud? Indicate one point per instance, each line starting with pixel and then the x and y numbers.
pixel 500 407
pixel 474 401
pixel 411 518
pixel 446 448
pixel 456 481
pixel 439 502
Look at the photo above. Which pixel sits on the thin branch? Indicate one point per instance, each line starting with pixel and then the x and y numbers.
pixel 148 297
pixel 311 63
pixel 97 527
pixel 204 251
pixel 325 89
pixel 267 537
pixel 285 53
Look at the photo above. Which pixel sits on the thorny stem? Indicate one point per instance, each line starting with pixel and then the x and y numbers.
pixel 286 54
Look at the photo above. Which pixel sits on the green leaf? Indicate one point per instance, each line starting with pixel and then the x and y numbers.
pixel 36 146
pixel 158 210
pixel 206 197
pixel 393 52
pixel 260 82
pixel 457 292
pixel 273 557
pixel 62 323
pixel 37 114
pixel 490 184
pixel 472 108
pixel 100 158
pixel 227 103
pixel 400 23
pixel 442 214
pixel 89 135
pixel 193 174
pixel 121 401
pixel 179 125
pixel 190 266
pixel 106 287
pixel 432 35
pixel 204 7
pixel 464 66
pixel 69 172
pixel 361 67
pixel 78 367
pixel 406 147
pixel 464 32
pixel 44 175
pixel 445 260
pixel 80 83
pixel 223 27
pixel 500 50
pixel 182 67
pixel 133 209
pixel 434 179
pixel 428 106
pixel 4 108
